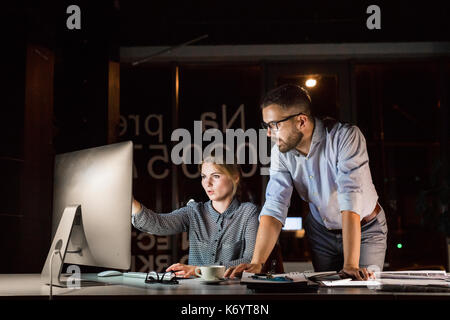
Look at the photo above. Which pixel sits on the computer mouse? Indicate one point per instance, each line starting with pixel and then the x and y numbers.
pixel 109 273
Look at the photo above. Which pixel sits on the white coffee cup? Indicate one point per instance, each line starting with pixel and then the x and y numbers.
pixel 210 273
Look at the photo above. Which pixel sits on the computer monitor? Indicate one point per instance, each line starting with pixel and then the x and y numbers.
pixel 91 210
pixel 292 224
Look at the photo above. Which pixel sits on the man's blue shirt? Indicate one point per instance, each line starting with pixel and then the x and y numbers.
pixel 334 176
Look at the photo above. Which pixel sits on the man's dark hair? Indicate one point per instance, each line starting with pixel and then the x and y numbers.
pixel 287 96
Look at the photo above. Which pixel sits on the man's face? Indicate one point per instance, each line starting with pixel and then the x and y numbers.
pixel 287 137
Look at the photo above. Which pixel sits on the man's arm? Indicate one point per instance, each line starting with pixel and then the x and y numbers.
pixel 351 240
pixel 268 232
pixel 352 167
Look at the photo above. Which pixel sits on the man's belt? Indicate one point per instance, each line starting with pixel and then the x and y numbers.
pixel 364 220
pixel 371 216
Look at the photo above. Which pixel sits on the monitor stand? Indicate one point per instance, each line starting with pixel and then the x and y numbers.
pixel 55 258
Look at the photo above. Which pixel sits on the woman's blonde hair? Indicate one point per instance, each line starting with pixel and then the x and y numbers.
pixel 230 170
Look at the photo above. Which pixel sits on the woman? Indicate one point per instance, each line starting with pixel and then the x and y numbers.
pixel 221 231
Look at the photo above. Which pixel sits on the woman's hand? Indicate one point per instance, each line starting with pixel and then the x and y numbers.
pixel 135 206
pixel 183 270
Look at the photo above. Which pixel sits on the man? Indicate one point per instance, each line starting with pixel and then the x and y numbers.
pixel 328 165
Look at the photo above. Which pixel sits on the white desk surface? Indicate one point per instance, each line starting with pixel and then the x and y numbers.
pixel 29 285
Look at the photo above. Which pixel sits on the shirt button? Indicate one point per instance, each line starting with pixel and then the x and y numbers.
pixel 310 177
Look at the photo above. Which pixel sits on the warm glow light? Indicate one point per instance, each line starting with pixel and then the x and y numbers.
pixel 300 233
pixel 311 83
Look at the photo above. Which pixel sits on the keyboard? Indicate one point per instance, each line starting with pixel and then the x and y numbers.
pixel 138 275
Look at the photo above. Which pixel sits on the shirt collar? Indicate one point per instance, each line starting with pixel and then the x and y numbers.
pixel 228 213
pixel 318 135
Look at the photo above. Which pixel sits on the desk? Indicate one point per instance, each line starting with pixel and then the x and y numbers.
pixel 29 287
pixel 17 285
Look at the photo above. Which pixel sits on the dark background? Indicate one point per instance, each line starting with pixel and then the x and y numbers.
pixel 61 93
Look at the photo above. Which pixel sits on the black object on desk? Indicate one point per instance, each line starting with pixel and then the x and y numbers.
pixel 165 278
pixel 271 283
pixel 327 276
pixel 270 277
pixel 413 288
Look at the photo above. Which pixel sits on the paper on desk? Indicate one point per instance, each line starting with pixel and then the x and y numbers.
pixel 351 283
pixel 413 274
pixel 415 282
pixel 378 282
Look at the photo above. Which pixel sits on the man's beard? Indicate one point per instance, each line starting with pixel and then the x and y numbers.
pixel 291 142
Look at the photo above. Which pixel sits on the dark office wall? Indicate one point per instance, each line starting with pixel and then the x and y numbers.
pixel 82 72
pixel 26 140
pixel 11 136
pixel 285 22
pixel 36 188
pixel 56 100
pixel 401 109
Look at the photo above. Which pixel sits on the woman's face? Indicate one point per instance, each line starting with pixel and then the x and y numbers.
pixel 217 185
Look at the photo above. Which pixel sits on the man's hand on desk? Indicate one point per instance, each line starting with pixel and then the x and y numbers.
pixel 182 270
pixel 356 273
pixel 236 271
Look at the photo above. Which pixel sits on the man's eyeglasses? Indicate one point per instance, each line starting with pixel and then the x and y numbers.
pixel 273 125
pixel 166 277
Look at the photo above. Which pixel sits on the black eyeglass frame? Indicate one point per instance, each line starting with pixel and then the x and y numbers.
pixel 271 123
pixel 151 279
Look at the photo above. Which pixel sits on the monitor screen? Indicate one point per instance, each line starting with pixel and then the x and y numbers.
pixel 293 223
pixel 100 180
